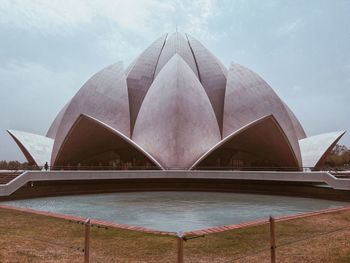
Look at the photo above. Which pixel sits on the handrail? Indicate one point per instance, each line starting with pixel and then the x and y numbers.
pixel 198 168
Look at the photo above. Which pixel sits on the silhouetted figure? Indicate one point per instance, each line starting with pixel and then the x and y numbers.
pixel 46 166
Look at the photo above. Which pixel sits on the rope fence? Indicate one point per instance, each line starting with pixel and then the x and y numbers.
pixel 182 240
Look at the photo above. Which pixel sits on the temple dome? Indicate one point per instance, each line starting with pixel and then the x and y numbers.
pixel 176 106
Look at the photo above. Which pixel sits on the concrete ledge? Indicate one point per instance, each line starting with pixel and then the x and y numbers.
pixel 74 177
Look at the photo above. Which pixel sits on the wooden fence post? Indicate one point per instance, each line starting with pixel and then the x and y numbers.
pixel 272 240
pixel 180 248
pixel 87 241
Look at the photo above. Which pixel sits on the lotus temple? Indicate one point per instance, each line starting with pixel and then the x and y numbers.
pixel 178 145
pixel 176 119
pixel 176 107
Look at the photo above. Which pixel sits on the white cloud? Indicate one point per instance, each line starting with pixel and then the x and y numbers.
pixel 131 14
pixel 112 22
pixel 194 17
pixel 290 28
pixel 63 17
pixel 117 46
pixel 53 17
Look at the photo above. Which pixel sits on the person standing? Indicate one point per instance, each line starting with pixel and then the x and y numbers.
pixel 46 166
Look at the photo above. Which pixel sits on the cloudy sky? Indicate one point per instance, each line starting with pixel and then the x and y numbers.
pixel 49 48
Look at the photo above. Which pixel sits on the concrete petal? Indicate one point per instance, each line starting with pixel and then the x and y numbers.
pixel 315 149
pixel 260 140
pixel 176 44
pixel 36 148
pixel 176 123
pixel 140 76
pixel 248 97
pixel 90 137
pixel 212 75
pixel 104 96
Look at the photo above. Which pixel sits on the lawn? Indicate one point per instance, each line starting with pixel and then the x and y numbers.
pixel 26 237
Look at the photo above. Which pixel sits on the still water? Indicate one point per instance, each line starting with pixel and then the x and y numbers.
pixel 176 211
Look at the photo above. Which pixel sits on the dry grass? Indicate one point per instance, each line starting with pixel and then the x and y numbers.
pixel 34 238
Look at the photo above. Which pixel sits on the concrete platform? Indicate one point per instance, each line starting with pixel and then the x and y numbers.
pixel 309 184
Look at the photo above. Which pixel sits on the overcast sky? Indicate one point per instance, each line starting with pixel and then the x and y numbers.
pixel 49 48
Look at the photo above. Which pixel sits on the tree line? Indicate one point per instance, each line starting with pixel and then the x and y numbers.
pixel 336 160
pixel 14 165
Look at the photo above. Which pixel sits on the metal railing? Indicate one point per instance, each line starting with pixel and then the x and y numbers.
pixel 153 167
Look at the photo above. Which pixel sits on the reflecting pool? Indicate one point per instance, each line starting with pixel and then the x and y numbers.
pixel 176 211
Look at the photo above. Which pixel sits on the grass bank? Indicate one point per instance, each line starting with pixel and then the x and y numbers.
pixel 28 237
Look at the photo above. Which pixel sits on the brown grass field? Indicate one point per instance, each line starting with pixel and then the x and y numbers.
pixel 26 237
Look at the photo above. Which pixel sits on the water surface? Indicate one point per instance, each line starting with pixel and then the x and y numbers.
pixel 176 211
